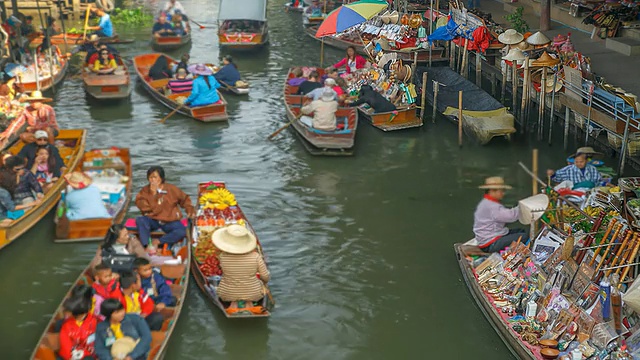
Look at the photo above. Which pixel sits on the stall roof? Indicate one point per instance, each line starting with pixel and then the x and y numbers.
pixel 243 10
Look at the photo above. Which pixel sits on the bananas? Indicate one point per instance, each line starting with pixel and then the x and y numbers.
pixel 615 189
pixel 592 211
pixel 219 198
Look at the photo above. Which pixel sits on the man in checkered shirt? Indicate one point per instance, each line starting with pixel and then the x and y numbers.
pixel 578 173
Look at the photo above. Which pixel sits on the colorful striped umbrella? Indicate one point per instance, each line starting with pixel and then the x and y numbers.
pixel 350 15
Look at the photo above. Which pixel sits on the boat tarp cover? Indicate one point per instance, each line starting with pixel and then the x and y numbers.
pixel 243 10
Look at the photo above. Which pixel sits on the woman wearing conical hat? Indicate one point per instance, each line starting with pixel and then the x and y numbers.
pixel 491 217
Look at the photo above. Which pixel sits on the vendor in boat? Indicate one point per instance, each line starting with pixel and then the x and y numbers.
pixel 376 101
pixel 39 116
pixel 105 26
pixel 118 241
pixel 105 64
pixel 121 333
pixel 205 87
pixel 323 110
pixel 580 173
pixel 29 152
pixel 160 204
pixel 162 27
pixel 352 61
pixel 329 84
pixel 310 84
pixel 181 84
pixel 491 216
pixel 228 73
pixel 174 7
pixel 83 199
pixel 240 262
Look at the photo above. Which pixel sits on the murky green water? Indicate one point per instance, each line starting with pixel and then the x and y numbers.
pixel 360 248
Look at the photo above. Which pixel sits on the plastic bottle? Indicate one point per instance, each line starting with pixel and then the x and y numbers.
pixel 605 298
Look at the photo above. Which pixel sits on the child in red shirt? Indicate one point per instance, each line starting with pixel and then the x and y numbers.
pixel 77 334
pixel 105 286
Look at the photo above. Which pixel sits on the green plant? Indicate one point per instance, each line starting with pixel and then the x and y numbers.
pixel 516 21
pixel 132 17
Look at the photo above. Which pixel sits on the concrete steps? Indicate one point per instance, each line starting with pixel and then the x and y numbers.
pixel 623 45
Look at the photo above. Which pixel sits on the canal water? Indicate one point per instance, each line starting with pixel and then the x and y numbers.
pixel 360 248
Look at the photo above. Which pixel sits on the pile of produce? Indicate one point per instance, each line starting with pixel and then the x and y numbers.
pixel 219 198
pixel 211 266
pixel 205 247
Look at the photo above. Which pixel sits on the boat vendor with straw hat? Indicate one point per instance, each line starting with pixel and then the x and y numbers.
pixel 83 200
pixel 39 116
pixel 580 173
pixel 491 216
pixel 240 263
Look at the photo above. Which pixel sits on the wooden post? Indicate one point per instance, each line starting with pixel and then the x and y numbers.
pixel 423 97
pixel 541 105
pixel 525 95
pixel 567 115
pixel 460 118
pixel 436 87
pixel 452 55
pixel 494 86
pixel 534 169
pixel 459 62
pixel 478 69
pixel 503 84
pixel 623 150
pixel 465 60
pixel 514 87
pixel 553 104
pixel 545 16
pixel 322 52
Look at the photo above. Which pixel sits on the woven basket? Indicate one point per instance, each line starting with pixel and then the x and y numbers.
pixel 633 148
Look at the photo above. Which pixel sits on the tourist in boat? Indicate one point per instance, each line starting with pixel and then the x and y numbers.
pixel 228 73
pixel 29 151
pixel 83 199
pixel 160 69
pixel 329 84
pixel 126 335
pixel 9 210
pixel 105 64
pixel 298 77
pixel 341 89
pixel 352 61
pixel 39 116
pixel 240 263
pixel 205 87
pixel 580 173
pixel 174 7
pixel 160 204
pixel 77 331
pixel 178 26
pixel 491 216
pixel 136 301
pixel 183 64
pixel 181 84
pixel 96 55
pixel 45 169
pixel 105 26
pixel 28 189
pixel 154 284
pixel 105 286
pixel 323 110
pixel 310 84
pixel 118 242
pixel 162 27
pixel 91 46
pixel 378 103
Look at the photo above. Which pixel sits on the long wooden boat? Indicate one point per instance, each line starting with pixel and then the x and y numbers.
pixel 437 53
pixel 519 348
pixel 48 82
pixel 206 282
pixel 49 344
pixel 208 113
pixel 75 39
pixel 116 160
pixel 108 87
pixel 170 43
pixel 247 11
pixel 404 117
pixel 71 143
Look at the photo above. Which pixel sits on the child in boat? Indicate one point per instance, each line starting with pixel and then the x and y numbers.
pixel 136 301
pixel 126 335
pixel 154 284
pixel 45 169
pixel 105 286
pixel 77 334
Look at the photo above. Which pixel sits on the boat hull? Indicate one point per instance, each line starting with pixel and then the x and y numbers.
pixel 243 41
pixel 108 87
pixel 400 119
pixel 170 43
pixel 49 82
pixel 75 39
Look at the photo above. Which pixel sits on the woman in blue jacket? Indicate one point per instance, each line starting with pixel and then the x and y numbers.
pixel 124 333
pixel 205 87
pixel 229 73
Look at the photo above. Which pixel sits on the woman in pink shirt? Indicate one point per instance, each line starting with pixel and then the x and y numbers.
pixel 352 62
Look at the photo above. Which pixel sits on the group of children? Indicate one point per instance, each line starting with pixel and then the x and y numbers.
pixel 115 316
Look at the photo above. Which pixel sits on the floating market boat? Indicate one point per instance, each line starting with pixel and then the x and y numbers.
pixel 242 24
pixel 208 113
pixel 483 116
pixel 178 274
pixel 170 43
pixel 116 85
pixel 110 170
pixel 404 117
pixel 44 79
pixel 205 264
pixel 309 19
pixel 75 39
pixel 71 144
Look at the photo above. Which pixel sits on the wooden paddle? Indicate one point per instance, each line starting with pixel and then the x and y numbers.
pixel 197 23
pixel 86 21
pixel 171 113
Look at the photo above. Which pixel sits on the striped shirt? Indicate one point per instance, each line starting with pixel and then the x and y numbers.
pixel 178 86
pixel 239 280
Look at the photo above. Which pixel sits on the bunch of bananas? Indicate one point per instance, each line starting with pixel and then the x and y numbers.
pixel 592 211
pixel 613 213
pixel 615 189
pixel 219 198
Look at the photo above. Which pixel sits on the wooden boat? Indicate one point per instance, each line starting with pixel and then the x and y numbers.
pixel 48 345
pixel 208 113
pixel 309 20
pixel 75 39
pixel 403 118
pixel 247 13
pixel 483 116
pixel 71 144
pixel 170 43
pixel 48 81
pixel 207 284
pixel 108 87
pixel 99 160
pixel 502 327
pixel 437 53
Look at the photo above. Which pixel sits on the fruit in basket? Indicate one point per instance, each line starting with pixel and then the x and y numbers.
pixel 219 198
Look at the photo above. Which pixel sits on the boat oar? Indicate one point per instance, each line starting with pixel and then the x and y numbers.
pixel 285 126
pixel 197 23
pixel 171 113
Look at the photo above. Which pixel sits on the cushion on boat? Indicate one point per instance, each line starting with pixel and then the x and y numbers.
pixel 344 121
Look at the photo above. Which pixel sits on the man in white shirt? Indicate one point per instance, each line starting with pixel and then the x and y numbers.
pixel 324 112
pixel 315 94
pixel 173 7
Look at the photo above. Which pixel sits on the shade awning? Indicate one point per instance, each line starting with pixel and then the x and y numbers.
pixel 243 10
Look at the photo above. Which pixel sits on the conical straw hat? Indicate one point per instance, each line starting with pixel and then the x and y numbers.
pixel 514 54
pixel 532 208
pixel 538 39
pixel 510 37
pixel 385 17
pixel 524 46
pixel 549 85
pixel 393 17
pixel 546 60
